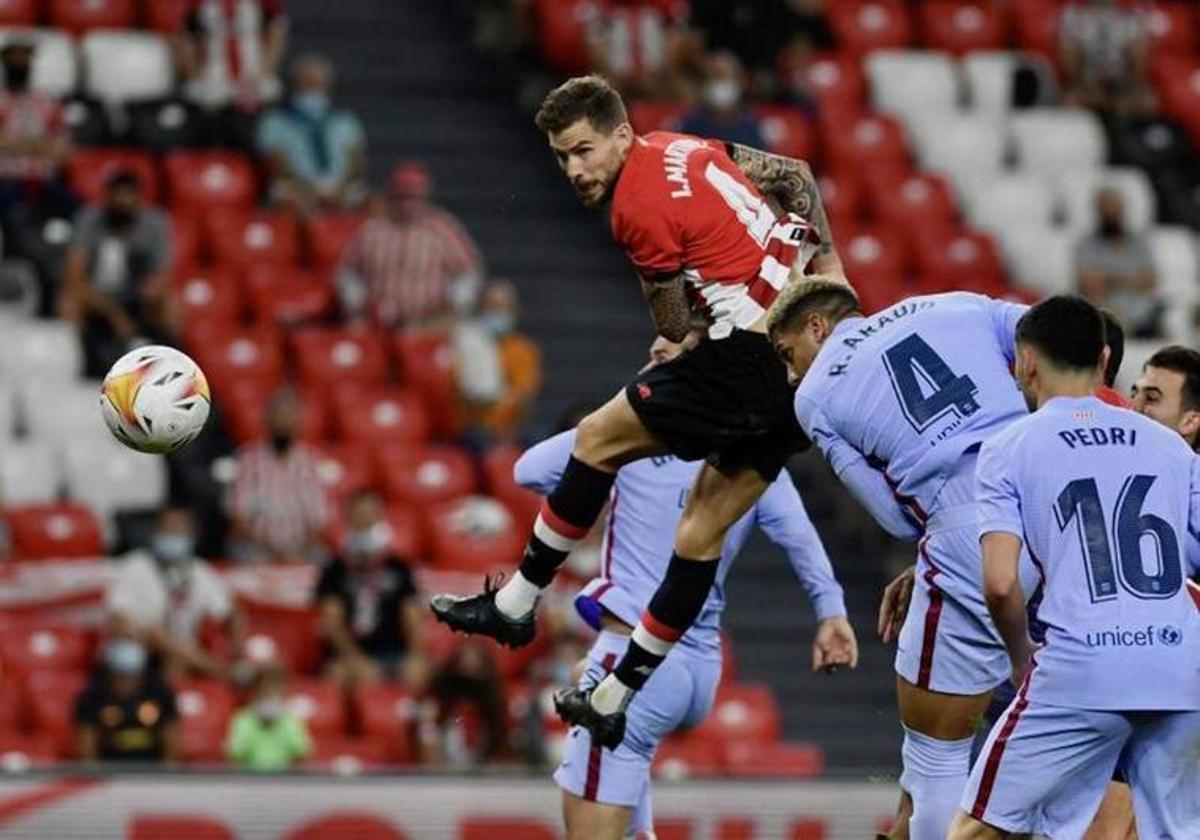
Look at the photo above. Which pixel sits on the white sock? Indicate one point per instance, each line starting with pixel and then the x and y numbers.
pixel 518 597
pixel 935 775
pixel 611 696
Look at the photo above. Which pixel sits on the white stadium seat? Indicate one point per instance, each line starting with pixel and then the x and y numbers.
pixel 989 79
pixel 29 473
pixel 127 66
pixel 1050 141
pixel 8 412
pixel 1011 201
pixel 110 478
pixel 969 149
pixel 1137 351
pixel 62 412
pixel 40 351
pixel 1177 264
pixel 55 68
pixel 1078 193
pixel 909 83
pixel 1040 257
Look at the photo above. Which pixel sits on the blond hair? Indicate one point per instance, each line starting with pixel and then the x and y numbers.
pixel 806 293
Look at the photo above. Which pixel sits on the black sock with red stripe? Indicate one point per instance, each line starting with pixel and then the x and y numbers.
pixel 671 611
pixel 567 515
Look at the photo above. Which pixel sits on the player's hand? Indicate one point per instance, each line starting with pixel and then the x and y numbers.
pixel 1021 660
pixel 894 606
pixel 835 645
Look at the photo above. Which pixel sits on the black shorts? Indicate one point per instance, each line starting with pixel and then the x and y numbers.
pixel 727 401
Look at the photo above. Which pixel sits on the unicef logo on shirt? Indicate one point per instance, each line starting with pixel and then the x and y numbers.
pixel 1170 636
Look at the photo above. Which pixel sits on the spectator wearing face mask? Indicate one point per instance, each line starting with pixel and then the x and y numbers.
pixel 126 712
pixel 371 619
pixel 266 736
pixel 277 505
pixel 315 152
pixel 163 596
pixel 722 113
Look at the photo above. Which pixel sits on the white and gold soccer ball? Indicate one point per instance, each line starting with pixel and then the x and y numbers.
pixel 155 399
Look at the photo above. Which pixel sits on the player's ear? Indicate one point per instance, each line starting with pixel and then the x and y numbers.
pixel 1189 425
pixel 623 134
pixel 1105 355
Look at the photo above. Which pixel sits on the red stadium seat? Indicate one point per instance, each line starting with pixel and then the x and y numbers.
pixel 329 357
pixel 454 545
pixel 243 355
pixel 743 712
pixel 915 200
pixel 424 476
pixel 426 361
pixel 387 715
pixel 786 130
pixel 242 238
pixel 207 294
pixel 655 116
pixel 876 262
pixel 244 404
pixel 347 756
pixel 842 196
pixel 498 464
pixel 344 468
pixel 680 757
pixel 20 752
pixel 949 260
pixel 205 707
pixel 320 705
pixel 378 415
pixel 12 701
pixel 52 696
pixel 166 16
pixel 19 12
pixel 834 79
pixel 862 26
pixel 44 647
pixel 89 169
pixel 561 36
pixel 407 531
pixel 1037 25
pixel 729 666
pixel 61 530
pixel 1173 28
pixel 960 28
pixel 1180 99
pixel 186 240
pixel 504 828
pixel 328 236
pixel 773 760
pixel 78 16
pixel 853 140
pixel 284 295
pixel 286 635
pixel 210 180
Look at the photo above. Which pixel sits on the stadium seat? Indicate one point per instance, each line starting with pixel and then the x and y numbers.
pixel 1180 98
pixel 474 534
pixel 424 476
pixel 89 169
pixel 282 295
pixel 1037 25
pixel 407 537
pixel 876 261
pixel 961 28
pixel 1039 257
pixel 1050 141
pixel 911 83
pixel 560 36
pixel 989 77
pixel 377 415
pixel 344 468
pixel 41 351
pixel 42 646
pixel 1177 264
pixel 127 66
pixel 210 294
pixel 60 412
pixel 164 125
pixel 20 752
pixel 243 355
pixel 842 196
pixel 319 704
pixel 917 200
pixel 79 16
pixel 833 78
pixel 426 360
pixel 329 234
pixel 187 246
pixel 8 410
pixel 242 238
pixel 781 760
pixel 88 122
pixel 208 180
pixel 1172 26
pixel 244 404
pixel 1078 193
pixel 655 116
pixel 54 531
pixel 110 478
pixel 29 473
pixel 347 756
pixel 863 26
pixel 1011 201
pixel 861 138
pixel 1150 143
pixel 55 65
pixel 327 357
pixel 498 465
pixel 205 707
pixel 387 714
pixel 786 130
pixel 282 634
pixel 52 707
pixel 19 12
pixel 1178 190
pixel 954 261
pixel 967 148
pixel 743 712
pixel 166 16
pixel 680 757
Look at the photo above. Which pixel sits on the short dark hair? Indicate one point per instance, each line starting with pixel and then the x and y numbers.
pixel 1114 340
pixel 122 179
pixel 1067 329
pixel 583 97
pixel 1184 360
pixel 810 294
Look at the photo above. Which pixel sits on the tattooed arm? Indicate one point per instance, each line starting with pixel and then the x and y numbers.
pixel 791 183
pixel 669 307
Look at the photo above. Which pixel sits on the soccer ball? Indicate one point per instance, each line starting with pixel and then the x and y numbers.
pixel 155 399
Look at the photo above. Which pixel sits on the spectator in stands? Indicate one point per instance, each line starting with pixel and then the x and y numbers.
pixel 643 47
pixel 115 276
pixel 371 617
pixel 163 595
pixel 502 373
pixel 278 506
pixel 757 31
pixel 722 112
pixel 316 153
pixel 266 736
pixel 1103 50
pixel 126 712
pixel 411 266
pixel 469 676
pixel 1114 269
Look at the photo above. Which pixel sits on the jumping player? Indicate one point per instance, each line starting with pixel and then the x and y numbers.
pixel 694 217
pixel 1103 500
pixel 603 790
pixel 899 402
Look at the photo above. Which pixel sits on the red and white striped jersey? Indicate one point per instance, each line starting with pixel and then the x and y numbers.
pixel 682 206
pixel 233 34
pixel 29 116
pixel 280 498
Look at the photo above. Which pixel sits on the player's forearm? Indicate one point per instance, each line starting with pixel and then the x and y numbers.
pixel 1002 592
pixel 669 307
pixel 793 185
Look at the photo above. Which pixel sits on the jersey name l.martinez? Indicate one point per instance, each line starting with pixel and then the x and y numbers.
pixel 682 206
